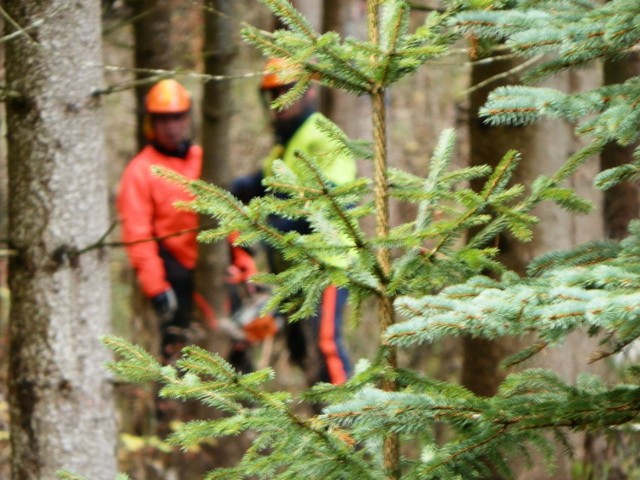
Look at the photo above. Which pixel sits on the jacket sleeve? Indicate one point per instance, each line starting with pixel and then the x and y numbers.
pixel 135 208
pixel 248 187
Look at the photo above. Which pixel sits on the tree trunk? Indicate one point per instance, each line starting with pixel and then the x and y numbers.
pixel 543 146
pixel 152 47
pixel 621 205
pixel 60 399
pixel 481 371
pixel 335 16
pixel 220 49
pixel 153 51
pixel 349 112
pixel 3 191
pixel 622 202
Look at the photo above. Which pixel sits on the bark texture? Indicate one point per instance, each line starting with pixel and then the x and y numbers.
pixel 61 400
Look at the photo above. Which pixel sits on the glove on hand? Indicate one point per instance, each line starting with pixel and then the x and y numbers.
pixel 165 304
pixel 243 266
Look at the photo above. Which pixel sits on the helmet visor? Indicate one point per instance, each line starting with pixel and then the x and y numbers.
pixel 269 95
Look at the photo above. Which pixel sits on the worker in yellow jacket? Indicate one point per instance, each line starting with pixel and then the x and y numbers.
pixel 296 129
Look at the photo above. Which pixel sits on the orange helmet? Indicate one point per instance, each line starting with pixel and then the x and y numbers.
pixel 278 72
pixel 167 96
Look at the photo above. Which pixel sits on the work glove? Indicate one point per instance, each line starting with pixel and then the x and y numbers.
pixel 165 304
pixel 243 266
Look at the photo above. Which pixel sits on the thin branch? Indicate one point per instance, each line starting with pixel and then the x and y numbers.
pixel 500 76
pixel 20 30
pixel 158 74
pixel 101 243
pixel 145 240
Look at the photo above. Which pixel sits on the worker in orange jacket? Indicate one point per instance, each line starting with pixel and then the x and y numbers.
pixel 160 239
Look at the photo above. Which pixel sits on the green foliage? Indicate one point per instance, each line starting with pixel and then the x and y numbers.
pixel 439 287
pixel 593 287
pixel 360 67
pixel 559 35
pixel 287 445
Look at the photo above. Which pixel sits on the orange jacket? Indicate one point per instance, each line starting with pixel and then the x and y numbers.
pixel 146 209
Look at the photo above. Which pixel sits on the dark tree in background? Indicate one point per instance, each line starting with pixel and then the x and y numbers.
pixel 152 46
pixel 219 49
pixel 543 147
pixel 152 57
pixel 60 400
pixel 335 14
pixel 622 202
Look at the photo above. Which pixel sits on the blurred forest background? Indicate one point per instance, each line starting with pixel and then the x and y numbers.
pixel 200 43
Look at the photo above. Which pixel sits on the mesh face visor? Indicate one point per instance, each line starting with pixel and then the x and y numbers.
pixel 268 95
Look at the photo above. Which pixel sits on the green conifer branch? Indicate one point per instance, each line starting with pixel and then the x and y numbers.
pixel 234 216
pixel 496 182
pixel 279 45
pixel 529 402
pixel 574 33
pixel 598 295
pixel 593 287
pixel 350 227
pixel 291 17
pixel 395 28
pixel 272 414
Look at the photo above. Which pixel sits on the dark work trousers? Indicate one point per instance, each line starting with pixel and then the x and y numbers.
pixel 173 332
pixel 316 344
pixel 239 355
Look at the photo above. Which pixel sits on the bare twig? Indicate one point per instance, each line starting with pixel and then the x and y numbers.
pixel 19 30
pixel 500 76
pixel 102 244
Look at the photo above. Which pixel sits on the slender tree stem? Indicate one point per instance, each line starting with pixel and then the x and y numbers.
pixel 373 20
pixel 386 316
pixel 381 191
